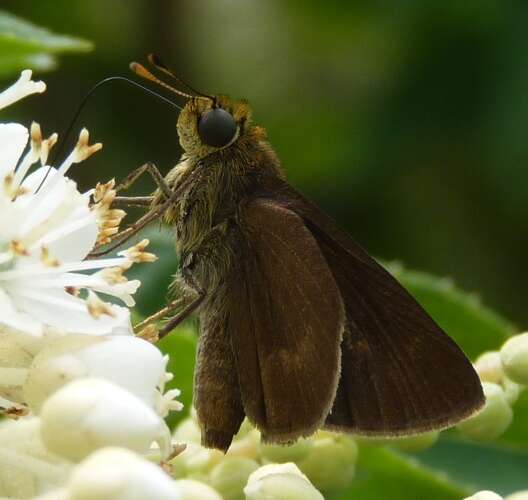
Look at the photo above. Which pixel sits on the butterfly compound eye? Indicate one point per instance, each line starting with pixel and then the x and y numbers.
pixel 216 127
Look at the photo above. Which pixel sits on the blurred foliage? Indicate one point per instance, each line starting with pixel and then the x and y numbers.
pixel 405 121
pixel 24 45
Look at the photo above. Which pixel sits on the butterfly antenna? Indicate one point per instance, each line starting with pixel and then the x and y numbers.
pixel 161 66
pixel 143 72
pixel 81 106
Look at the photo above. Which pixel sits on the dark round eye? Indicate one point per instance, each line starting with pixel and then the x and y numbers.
pixel 216 127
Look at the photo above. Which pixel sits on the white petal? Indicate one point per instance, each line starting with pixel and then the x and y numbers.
pixel 13 140
pixel 12 319
pixel 59 309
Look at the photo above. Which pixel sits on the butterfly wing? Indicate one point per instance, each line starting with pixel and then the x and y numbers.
pixel 401 374
pixel 286 322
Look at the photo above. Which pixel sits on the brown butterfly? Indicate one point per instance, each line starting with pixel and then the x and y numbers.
pixel 300 329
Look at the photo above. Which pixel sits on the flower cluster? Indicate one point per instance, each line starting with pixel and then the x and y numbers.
pixel 504 376
pixel 326 461
pixel 83 399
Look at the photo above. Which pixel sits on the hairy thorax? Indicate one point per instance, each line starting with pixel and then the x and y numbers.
pixel 205 215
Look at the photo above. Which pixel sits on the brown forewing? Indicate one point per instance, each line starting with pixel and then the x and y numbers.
pixel 400 373
pixel 285 321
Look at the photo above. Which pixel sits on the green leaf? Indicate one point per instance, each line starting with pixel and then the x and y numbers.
pixel 180 345
pixel 474 327
pixel 23 45
pixel 481 466
pixel 517 434
pixel 384 473
pixel 155 277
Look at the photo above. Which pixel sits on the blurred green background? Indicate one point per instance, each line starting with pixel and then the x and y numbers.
pixel 405 121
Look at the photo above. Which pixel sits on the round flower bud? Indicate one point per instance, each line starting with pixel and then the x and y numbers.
pixel 246 446
pixel 195 462
pixel 14 360
pixel 489 367
pixel 331 463
pixel 119 474
pixel 195 490
pixel 187 431
pixel 518 495
pixel 230 475
pixel 60 494
pixel 414 444
pixel 88 414
pixel 284 481
pixel 492 419
pixel 114 358
pixel 277 453
pixel 514 357
pixel 511 390
pixel 484 495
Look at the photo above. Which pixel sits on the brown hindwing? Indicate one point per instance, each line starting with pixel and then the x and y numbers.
pixel 401 374
pixel 286 321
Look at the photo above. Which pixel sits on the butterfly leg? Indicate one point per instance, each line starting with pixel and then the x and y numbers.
pixel 132 201
pixel 168 309
pixel 153 171
pixel 154 214
pixel 186 311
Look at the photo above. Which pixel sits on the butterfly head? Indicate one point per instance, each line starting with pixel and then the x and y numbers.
pixel 207 124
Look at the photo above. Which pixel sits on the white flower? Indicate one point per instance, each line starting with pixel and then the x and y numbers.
pixel 91 413
pixel 116 474
pixel 47 229
pixel 284 481
pixel 115 358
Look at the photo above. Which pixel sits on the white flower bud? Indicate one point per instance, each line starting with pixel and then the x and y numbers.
pixel 410 444
pixel 119 474
pixel 14 360
pixel 60 494
pixel 518 495
pixel 489 367
pixel 512 390
pixel 230 476
pixel 246 446
pixel 283 481
pixel 195 462
pixel 492 419
pixel 514 357
pixel 187 431
pixel 484 495
pixel 331 463
pixel 195 490
pixel 88 414
pixel 26 466
pixel 275 453
pixel 115 358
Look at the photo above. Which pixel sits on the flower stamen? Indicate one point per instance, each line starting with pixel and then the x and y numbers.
pixel 97 307
pixel 138 254
pixel 23 87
